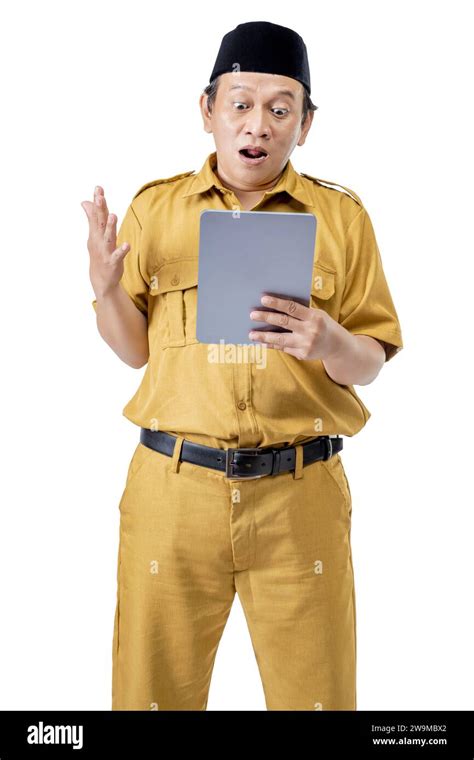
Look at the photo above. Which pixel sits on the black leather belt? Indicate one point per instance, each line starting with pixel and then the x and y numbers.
pixel 243 463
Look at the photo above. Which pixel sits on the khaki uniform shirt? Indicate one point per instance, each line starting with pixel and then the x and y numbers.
pixel 237 400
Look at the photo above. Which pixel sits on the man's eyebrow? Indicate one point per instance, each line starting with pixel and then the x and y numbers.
pixel 245 87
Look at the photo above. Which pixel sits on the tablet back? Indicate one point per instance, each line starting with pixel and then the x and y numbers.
pixel 243 254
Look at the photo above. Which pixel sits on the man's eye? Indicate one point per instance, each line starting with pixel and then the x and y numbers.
pixel 283 111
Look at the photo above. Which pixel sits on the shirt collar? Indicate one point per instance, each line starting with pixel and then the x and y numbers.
pixel 290 182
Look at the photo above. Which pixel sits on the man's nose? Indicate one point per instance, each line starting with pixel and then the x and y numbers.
pixel 258 122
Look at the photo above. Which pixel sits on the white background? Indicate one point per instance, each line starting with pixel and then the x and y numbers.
pixel 107 93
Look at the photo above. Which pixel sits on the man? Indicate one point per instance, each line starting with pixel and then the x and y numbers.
pixel 237 483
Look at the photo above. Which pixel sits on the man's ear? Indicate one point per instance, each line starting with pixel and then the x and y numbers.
pixel 205 113
pixel 306 127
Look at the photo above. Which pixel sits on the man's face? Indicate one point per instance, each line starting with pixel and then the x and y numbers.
pixel 255 109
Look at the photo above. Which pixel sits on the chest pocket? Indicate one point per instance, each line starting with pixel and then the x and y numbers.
pixel 174 286
pixel 323 288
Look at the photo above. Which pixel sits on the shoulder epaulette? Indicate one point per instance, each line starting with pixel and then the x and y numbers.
pixel 334 186
pixel 160 181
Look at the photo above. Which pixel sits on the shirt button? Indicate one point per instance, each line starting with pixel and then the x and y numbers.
pixel 175 280
pixel 242 405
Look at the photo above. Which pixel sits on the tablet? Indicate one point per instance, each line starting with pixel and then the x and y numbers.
pixel 242 255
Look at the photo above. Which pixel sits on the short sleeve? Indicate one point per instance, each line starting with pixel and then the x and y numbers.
pixel 367 307
pixel 133 282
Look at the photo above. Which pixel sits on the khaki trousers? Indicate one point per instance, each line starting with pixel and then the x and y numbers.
pixel 190 539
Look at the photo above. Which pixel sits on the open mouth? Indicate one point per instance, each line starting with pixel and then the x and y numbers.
pixel 251 156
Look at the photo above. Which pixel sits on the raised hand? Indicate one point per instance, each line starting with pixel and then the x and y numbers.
pixel 106 260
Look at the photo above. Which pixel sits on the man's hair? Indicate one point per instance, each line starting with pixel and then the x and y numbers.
pixel 211 92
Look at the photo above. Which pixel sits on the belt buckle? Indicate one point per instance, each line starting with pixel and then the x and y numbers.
pixel 229 463
pixel 328 448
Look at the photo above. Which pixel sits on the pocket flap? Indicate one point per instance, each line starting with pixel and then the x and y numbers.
pixel 174 275
pixel 324 281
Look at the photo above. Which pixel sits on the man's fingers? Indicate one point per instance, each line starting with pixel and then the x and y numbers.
pixel 101 207
pixel 91 212
pixel 92 219
pixel 121 251
pixel 100 198
pixel 278 318
pixel 86 205
pixel 293 308
pixel 110 232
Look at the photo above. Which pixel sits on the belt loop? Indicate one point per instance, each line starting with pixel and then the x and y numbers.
pixel 298 473
pixel 176 454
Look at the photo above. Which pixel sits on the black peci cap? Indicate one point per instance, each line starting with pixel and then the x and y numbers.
pixel 266 48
